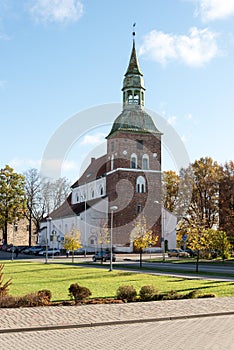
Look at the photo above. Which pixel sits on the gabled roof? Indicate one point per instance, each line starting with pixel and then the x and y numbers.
pixel 96 169
pixel 67 209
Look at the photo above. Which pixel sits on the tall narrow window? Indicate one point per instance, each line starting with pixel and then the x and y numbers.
pixel 133 164
pixel 101 191
pixel 145 162
pixel 139 208
pixel 130 97
pixel 136 97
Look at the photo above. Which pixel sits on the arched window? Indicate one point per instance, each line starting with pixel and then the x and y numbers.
pixel 145 162
pixel 140 185
pixel 101 191
pixel 92 193
pixel 133 164
pixel 130 97
pixel 136 97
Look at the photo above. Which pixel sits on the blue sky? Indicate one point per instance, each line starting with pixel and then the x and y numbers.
pixel 60 57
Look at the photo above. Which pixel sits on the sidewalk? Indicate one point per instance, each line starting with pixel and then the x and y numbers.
pixel 65 317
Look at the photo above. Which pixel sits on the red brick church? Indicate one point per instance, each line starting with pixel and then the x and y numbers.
pixel 122 184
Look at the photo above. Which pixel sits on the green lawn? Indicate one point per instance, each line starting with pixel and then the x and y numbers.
pixel 33 276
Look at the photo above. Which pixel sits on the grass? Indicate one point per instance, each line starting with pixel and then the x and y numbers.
pixel 57 277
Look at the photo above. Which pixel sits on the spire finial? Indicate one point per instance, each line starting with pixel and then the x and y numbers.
pixel 133 30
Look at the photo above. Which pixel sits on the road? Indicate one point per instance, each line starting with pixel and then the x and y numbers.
pixel 209 333
pixel 132 261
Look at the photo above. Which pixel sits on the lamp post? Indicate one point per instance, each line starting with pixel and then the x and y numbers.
pixel 162 228
pixel 15 227
pixel 112 209
pixel 48 219
pixel 85 248
pixel 54 235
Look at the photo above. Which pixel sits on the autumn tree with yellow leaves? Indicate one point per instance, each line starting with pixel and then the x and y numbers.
pixel 142 237
pixel 72 241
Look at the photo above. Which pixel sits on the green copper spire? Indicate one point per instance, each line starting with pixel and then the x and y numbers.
pixel 133 118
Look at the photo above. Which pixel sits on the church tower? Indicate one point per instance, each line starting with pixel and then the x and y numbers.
pixel 133 177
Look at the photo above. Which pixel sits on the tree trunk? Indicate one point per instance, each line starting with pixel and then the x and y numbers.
pixel 140 258
pixel 5 232
pixel 197 261
pixel 30 229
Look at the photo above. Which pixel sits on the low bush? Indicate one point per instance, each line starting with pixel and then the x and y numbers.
pixel 78 292
pixel 208 295
pixel 148 293
pixel 41 298
pixel 192 295
pixel 126 293
pixel 172 295
pixel 45 295
pixel 8 301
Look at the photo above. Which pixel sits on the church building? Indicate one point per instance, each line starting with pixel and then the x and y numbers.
pixel 120 186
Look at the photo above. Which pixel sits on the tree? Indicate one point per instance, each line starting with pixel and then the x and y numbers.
pixel 43 196
pixel 198 240
pixel 219 242
pixel 72 241
pixel 104 235
pixel 203 209
pixel 53 193
pixel 33 198
pixel 170 188
pixel 226 201
pixel 142 237
pixel 12 198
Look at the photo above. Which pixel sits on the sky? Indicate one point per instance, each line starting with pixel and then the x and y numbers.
pixel 60 58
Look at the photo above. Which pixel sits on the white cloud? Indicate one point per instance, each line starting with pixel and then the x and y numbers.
pixel 25 163
pixel 93 139
pixel 215 9
pixel 194 49
pixel 56 10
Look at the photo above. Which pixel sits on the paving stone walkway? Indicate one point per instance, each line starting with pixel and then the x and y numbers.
pixel 65 317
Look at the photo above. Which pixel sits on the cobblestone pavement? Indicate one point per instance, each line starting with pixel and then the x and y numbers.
pixel 210 333
pixel 24 319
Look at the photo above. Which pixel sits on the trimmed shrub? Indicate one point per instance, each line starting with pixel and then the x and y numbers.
pixel 172 295
pixel 192 295
pixel 8 301
pixel 148 293
pixel 126 293
pixel 78 292
pixel 208 295
pixel 41 298
pixel 45 295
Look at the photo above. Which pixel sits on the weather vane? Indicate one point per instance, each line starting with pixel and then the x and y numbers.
pixel 133 30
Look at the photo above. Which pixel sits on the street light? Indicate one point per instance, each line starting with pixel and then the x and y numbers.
pixel 112 209
pixel 162 229
pixel 54 236
pixel 48 219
